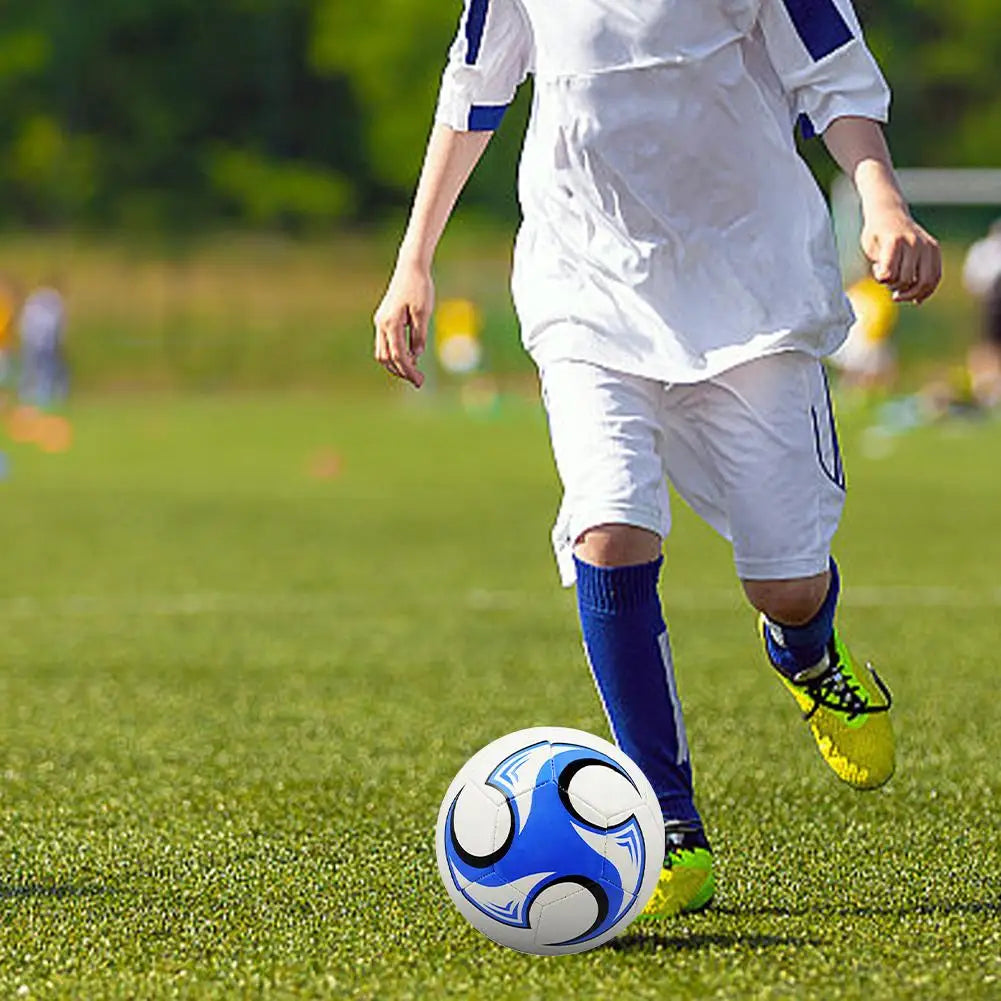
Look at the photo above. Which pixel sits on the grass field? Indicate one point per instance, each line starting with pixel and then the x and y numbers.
pixel 247 642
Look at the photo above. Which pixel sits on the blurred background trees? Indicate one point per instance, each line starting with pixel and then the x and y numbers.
pixel 300 114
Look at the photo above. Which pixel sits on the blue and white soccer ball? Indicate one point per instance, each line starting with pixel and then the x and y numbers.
pixel 550 840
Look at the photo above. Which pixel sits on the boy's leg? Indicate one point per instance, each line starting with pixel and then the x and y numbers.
pixel 629 654
pixel 755 452
pixel 844 701
pixel 605 433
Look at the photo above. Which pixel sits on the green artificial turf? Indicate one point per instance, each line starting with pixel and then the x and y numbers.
pixel 246 644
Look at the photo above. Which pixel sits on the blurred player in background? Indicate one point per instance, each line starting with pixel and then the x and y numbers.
pixel 8 316
pixel 868 360
pixel 44 379
pixel 982 279
pixel 677 284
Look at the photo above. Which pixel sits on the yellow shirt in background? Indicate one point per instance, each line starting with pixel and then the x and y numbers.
pixel 7 311
pixel 876 312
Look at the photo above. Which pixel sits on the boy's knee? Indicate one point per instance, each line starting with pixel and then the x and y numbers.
pixel 617 546
pixel 789 602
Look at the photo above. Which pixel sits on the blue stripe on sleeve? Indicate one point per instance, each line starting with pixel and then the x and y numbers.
pixel 476 22
pixel 819 25
pixel 806 129
pixel 485 117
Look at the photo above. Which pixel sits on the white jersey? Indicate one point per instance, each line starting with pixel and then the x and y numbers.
pixel 670 228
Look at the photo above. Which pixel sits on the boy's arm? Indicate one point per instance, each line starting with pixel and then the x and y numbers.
pixel 401 321
pixel 491 55
pixel 831 79
pixel 904 256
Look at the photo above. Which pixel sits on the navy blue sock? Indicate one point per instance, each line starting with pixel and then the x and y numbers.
pixel 793 649
pixel 630 657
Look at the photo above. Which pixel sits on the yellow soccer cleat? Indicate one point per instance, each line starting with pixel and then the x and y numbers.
pixel 847 706
pixel 686 882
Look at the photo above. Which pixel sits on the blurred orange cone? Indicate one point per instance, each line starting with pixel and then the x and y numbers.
pixel 326 464
pixel 54 434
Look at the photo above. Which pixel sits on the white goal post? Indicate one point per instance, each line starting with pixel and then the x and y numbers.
pixel 921 186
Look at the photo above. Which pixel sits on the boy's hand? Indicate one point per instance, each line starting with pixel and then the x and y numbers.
pixel 401 322
pixel 905 258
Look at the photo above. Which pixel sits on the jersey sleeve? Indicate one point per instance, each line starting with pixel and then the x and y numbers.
pixel 492 54
pixel 820 55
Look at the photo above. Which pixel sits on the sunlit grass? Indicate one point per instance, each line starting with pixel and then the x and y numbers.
pixel 241 311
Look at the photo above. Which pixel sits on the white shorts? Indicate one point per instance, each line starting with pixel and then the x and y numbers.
pixel 753 451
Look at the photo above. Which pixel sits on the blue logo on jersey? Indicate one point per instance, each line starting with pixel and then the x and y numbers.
pixel 548 842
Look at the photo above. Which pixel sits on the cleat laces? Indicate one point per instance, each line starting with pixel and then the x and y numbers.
pixel 842 693
pixel 681 839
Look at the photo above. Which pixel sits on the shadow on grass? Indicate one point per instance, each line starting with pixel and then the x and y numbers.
pixel 39 891
pixel 639 942
pixel 970 908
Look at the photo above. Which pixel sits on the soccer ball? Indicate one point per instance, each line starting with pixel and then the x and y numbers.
pixel 550 840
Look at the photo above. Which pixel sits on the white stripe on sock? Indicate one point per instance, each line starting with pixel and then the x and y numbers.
pixel 664 642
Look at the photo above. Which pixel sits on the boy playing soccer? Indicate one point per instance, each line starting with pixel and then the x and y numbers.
pixel 677 284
